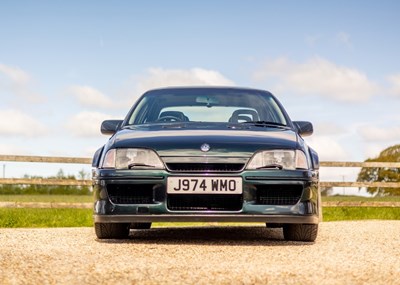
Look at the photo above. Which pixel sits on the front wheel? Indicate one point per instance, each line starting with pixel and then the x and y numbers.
pixel 300 232
pixel 112 230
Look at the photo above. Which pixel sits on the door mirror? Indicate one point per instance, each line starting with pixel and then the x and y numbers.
pixel 304 128
pixel 109 127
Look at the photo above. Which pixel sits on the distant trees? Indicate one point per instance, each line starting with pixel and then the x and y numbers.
pixel 375 174
pixel 12 189
pixel 326 191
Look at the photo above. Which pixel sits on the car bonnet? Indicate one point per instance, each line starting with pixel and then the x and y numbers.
pixel 203 142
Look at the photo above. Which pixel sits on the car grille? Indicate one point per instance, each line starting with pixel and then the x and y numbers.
pixel 278 194
pixel 205 202
pixel 205 167
pixel 131 194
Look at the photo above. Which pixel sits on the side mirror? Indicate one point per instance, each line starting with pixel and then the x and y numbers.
pixel 304 128
pixel 110 127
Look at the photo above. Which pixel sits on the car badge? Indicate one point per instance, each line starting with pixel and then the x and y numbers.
pixel 205 147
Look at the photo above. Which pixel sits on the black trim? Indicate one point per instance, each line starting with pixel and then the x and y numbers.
pixel 281 219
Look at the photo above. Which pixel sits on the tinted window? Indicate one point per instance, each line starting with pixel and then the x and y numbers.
pixel 206 105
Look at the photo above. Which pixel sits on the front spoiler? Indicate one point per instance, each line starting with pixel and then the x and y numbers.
pixel 272 219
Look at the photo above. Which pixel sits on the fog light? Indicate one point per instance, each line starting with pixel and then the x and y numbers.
pixel 103 194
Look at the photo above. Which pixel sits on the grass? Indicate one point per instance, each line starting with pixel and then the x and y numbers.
pixel 47 198
pixel 360 213
pixel 43 218
pixel 33 218
pixel 338 198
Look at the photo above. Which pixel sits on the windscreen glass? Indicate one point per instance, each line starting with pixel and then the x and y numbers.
pixel 206 105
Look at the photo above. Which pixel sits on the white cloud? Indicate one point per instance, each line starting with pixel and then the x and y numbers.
pixel 395 82
pixel 13 150
pixel 344 39
pixel 319 77
pixel 86 124
pixel 341 39
pixel 159 77
pixel 379 134
pixel 91 97
pixel 372 150
pixel 16 123
pixel 15 74
pixel 328 128
pixel 153 78
pixel 18 82
pixel 327 148
pixel 312 40
pixel 91 150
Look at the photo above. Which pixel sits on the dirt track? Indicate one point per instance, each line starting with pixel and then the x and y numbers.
pixel 365 252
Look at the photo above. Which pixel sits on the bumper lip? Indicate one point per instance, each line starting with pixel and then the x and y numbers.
pixel 277 219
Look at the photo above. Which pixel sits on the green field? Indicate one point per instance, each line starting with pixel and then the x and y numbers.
pixel 361 199
pixel 34 218
pixel 47 198
pixel 30 218
pixel 44 218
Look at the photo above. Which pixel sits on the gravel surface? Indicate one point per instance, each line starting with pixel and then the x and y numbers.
pixel 364 252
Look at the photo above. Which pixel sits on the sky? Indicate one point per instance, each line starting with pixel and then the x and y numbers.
pixel 65 66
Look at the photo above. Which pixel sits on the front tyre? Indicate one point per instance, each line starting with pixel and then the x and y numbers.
pixel 112 230
pixel 300 232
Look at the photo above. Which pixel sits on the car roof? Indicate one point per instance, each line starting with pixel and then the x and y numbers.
pixel 210 87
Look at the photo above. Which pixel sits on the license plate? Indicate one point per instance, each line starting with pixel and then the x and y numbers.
pixel 204 185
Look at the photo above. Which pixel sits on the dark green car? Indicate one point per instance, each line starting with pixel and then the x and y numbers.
pixel 206 154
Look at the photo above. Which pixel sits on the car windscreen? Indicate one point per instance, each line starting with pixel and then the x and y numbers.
pixel 206 105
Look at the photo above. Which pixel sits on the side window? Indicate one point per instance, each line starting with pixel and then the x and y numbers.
pixel 142 112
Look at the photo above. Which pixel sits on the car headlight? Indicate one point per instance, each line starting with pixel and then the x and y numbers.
pixel 278 159
pixel 132 158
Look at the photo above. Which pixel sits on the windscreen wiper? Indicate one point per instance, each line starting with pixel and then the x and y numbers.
pixel 271 166
pixel 267 124
pixel 133 165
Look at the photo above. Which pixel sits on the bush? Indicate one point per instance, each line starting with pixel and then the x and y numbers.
pixel 44 189
pixel 28 189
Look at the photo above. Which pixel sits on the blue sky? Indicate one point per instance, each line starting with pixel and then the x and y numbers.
pixel 67 65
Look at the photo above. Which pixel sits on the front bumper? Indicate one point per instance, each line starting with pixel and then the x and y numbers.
pixel 237 218
pixel 113 206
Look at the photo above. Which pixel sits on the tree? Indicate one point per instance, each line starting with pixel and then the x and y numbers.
pixel 48 189
pixel 382 174
pixel 326 191
pixel 82 174
pixel 60 174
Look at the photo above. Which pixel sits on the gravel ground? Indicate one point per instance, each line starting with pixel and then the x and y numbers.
pixel 364 252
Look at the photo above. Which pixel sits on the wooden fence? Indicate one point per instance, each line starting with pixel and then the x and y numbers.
pixel 327 184
pixel 46 159
pixel 85 160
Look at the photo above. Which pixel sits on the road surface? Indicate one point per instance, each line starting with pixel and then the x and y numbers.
pixel 361 252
